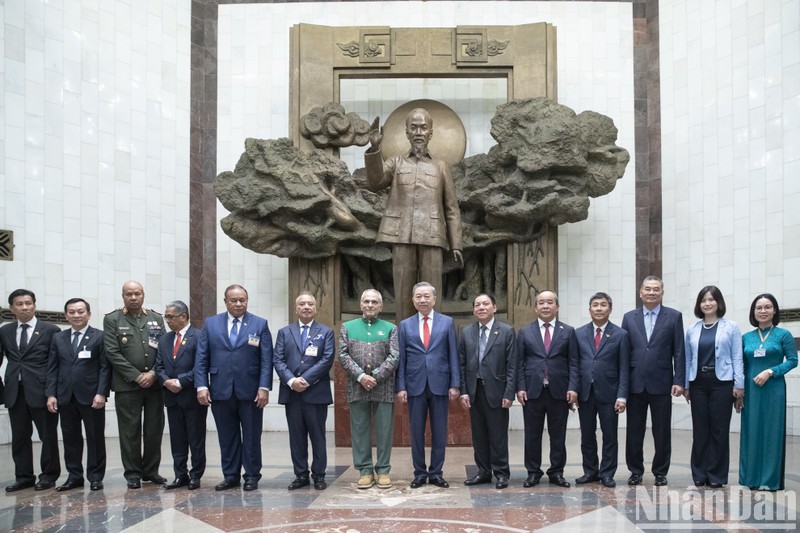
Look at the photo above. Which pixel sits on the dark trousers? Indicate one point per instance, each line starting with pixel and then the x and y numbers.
pixel 533 414
pixel 489 435
pixel 307 423
pixel 589 412
pixel 419 407
pixel 23 418
pixel 75 416
pixel 239 425
pixel 140 419
pixel 712 405
pixel 187 432
pixel 660 406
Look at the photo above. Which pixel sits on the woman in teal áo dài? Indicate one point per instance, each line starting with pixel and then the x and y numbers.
pixel 769 353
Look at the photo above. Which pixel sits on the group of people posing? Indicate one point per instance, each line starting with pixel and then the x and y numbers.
pixel 600 368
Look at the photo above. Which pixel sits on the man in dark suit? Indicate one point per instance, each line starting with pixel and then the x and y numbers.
pixel 233 369
pixel 427 376
pixel 604 364
pixel 131 337
pixel 78 383
pixel 187 418
pixel 658 369
pixel 547 381
pixel 303 357
pixel 487 355
pixel 25 343
pixel 422 218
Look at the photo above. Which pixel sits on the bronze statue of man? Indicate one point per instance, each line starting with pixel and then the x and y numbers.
pixel 422 217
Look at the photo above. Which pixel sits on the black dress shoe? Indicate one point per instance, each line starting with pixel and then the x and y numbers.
pixel 661 480
pixel 194 483
pixel 250 485
pixel 134 483
pixel 44 485
pixel 156 479
pixel 227 484
pixel 478 480
pixel 418 482
pixel 532 480
pixel 699 483
pixel 69 485
pixel 635 479
pixel 502 482
pixel 715 485
pixel 96 485
pixel 320 484
pixel 179 482
pixel 584 479
pixel 439 482
pixel 20 485
pixel 299 483
pixel 559 480
pixel 608 482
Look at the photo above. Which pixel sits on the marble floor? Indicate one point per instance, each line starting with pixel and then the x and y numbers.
pixel 342 508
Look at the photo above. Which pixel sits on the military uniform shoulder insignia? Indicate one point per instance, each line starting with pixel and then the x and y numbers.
pixel 115 310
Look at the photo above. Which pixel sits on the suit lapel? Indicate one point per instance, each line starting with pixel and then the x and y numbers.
pixel 297 333
pixel 184 342
pixel 493 334
pixel 35 335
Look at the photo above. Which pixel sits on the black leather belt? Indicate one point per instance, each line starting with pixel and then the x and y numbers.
pixel 706 368
pixel 481 382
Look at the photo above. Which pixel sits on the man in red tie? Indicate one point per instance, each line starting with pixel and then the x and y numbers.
pixel 187 418
pixel 604 353
pixel 427 376
pixel 547 381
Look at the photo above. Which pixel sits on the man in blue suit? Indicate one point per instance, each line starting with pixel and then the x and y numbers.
pixel 547 381
pixel 658 369
pixel 604 364
pixel 78 383
pixel 187 418
pixel 303 358
pixel 233 370
pixel 427 376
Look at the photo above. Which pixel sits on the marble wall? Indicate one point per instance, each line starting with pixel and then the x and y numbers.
pixel 94 149
pixel 730 107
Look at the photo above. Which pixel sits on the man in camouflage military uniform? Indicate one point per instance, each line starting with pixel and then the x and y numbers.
pixel 131 336
pixel 368 352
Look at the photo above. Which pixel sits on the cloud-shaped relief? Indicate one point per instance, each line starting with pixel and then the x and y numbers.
pixel 330 125
pixel 547 163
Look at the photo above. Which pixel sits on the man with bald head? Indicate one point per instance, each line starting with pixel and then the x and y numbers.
pixel 131 336
pixel 422 217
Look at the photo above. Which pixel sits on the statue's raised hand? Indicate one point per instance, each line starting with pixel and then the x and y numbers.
pixel 375 134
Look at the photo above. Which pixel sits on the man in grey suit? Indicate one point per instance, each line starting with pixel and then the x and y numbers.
pixel 25 343
pixel 488 357
pixel 604 355
pixel 78 383
pixel 658 369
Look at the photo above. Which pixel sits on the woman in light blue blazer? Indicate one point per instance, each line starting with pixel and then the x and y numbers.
pixel 714 380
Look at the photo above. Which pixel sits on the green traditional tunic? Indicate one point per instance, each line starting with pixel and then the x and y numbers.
pixel 762 442
pixel 365 342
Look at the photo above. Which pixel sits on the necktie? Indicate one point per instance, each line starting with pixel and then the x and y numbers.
pixel 234 331
pixel 597 337
pixel 426 332
pixel 482 344
pixel 23 337
pixel 304 336
pixel 177 345
pixel 76 336
pixel 547 338
pixel 648 323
